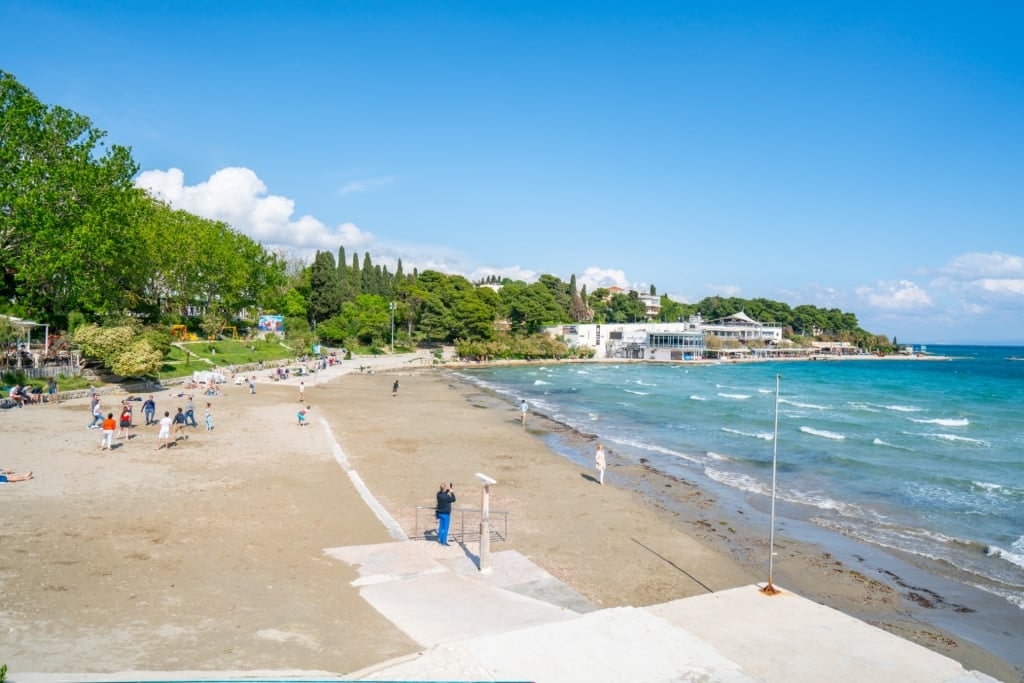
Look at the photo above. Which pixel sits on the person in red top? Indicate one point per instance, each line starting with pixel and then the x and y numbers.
pixel 109 427
pixel 126 420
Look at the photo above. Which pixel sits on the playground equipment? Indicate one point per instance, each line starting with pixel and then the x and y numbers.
pixel 181 333
pixel 232 335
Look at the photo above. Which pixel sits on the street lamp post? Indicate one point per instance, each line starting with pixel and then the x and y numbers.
pixel 392 307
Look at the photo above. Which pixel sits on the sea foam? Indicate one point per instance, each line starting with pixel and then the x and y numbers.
pixel 767 436
pixel 944 422
pixel 825 434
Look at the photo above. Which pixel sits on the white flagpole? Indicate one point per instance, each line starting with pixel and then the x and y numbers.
pixel 770 588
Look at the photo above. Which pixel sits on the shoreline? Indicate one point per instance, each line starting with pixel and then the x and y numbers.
pixel 901 600
pixel 211 556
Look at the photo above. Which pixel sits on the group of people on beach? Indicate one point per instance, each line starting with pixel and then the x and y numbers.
pixel 184 417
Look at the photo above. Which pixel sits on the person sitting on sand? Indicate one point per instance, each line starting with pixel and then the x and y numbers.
pixel 9 476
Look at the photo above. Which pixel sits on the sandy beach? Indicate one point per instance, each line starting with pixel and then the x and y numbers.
pixel 209 556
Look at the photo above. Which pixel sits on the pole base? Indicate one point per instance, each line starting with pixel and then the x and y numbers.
pixel 769 589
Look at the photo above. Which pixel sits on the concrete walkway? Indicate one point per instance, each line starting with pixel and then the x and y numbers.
pixel 519 623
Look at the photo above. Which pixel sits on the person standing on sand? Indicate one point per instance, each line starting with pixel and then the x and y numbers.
pixel 302 414
pixel 209 417
pixel 109 427
pixel 252 386
pixel 97 415
pixel 523 408
pixel 394 389
pixel 126 420
pixel 179 425
pixel 302 391
pixel 445 498
pixel 600 463
pixel 149 411
pixel 164 437
pixel 190 411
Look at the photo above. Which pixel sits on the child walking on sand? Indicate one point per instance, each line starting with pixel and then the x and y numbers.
pixel 302 414
pixel 209 418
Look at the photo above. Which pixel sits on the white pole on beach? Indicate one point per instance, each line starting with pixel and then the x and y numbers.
pixel 485 522
pixel 770 589
pixel 392 307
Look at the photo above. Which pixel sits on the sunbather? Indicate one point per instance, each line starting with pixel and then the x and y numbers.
pixel 10 476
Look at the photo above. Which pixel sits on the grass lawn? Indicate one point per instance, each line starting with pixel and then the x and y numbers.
pixel 207 355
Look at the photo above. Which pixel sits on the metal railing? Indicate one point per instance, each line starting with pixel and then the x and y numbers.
pixel 465 526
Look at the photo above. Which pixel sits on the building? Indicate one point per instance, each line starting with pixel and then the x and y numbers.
pixel 682 340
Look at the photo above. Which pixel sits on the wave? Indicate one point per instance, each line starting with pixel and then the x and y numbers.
pixel 750 484
pixel 638 393
pixel 904 409
pixel 539 382
pixel 766 391
pixel 695 397
pixel 835 436
pixel 867 407
pixel 944 422
pixel 803 405
pixel 767 436
pixel 879 442
pixel 738 397
pixel 633 443
pixel 954 437
pixel 1009 556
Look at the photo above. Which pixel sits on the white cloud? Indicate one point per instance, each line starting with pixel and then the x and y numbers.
pixel 1010 286
pixel 724 290
pixel 595 277
pixel 511 272
pixel 363 185
pixel 895 295
pixel 239 198
pixel 973 266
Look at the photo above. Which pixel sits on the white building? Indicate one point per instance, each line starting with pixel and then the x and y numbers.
pixel 684 340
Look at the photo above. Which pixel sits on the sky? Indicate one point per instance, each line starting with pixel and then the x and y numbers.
pixel 862 156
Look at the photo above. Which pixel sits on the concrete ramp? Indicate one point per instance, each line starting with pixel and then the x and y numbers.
pixel 620 644
pixel 788 638
pixel 420 595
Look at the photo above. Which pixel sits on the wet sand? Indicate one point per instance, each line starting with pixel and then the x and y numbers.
pixel 209 556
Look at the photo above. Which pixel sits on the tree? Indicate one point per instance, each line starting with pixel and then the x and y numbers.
pixel 325 290
pixel 65 204
pixel 529 307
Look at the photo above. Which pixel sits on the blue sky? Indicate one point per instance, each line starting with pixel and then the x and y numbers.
pixel 864 156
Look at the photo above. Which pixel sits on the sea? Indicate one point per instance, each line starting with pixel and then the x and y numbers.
pixel 921 457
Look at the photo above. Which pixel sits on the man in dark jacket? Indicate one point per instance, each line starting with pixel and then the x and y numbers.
pixel 445 498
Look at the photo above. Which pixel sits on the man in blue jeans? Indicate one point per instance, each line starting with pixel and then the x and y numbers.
pixel 445 498
pixel 190 412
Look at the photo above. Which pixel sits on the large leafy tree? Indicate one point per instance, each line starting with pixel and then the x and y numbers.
pixel 530 307
pixel 65 208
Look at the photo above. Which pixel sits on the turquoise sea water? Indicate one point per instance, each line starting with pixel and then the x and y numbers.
pixel 922 457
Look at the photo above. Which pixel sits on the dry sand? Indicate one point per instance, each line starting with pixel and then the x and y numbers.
pixel 209 556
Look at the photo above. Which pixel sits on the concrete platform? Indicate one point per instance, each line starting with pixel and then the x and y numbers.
pixel 501 627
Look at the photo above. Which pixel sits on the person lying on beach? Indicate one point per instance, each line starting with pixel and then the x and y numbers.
pixel 9 476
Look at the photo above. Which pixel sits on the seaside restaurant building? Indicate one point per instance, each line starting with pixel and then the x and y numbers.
pixel 678 341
